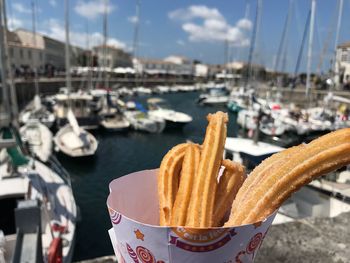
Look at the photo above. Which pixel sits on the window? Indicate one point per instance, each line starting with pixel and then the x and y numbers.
pixel 11 52
pixel 344 57
pixel 21 53
pixel 29 54
pixel 41 56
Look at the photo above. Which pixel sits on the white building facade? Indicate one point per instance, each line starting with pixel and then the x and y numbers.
pixel 342 65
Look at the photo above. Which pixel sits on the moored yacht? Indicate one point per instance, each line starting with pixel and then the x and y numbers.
pixel 160 109
pixel 215 95
pixel 73 140
pixel 39 139
pixel 38 209
pixel 82 105
pixel 35 110
pixel 139 119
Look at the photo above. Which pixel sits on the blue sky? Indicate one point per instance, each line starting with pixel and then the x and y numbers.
pixel 195 29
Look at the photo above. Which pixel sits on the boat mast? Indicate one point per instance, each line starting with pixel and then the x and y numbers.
pixel 67 46
pixel 136 39
pixel 309 53
pixel 334 66
pixel 36 83
pixel 253 42
pixel 284 35
pixel 105 44
pixel 4 102
pixel 6 69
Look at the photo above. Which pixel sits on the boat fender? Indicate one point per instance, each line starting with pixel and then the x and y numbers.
pixel 55 251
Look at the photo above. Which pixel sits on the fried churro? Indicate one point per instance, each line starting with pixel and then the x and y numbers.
pixel 260 172
pixel 229 184
pixel 189 169
pixel 168 181
pixel 201 208
pixel 305 163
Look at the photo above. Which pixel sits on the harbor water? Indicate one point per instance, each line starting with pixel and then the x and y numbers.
pixel 119 154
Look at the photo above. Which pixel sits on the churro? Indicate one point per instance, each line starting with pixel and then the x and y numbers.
pixel 201 208
pixel 168 181
pixel 229 184
pixel 306 162
pixel 189 169
pixel 260 172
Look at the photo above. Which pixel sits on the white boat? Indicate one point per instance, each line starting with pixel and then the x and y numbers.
pixel 142 121
pixel 158 108
pixel 115 122
pixel 75 141
pixel 246 149
pixel 39 139
pixel 215 95
pixel 268 125
pixel 35 110
pixel 38 212
pixel 307 202
pixel 111 116
pixel 81 103
pixel 142 91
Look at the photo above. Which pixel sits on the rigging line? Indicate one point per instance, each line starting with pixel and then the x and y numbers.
pixel 300 55
pixel 298 19
pixel 328 39
pixel 334 63
pixel 11 22
pixel 318 38
pixel 35 48
pixel 283 37
pixel 253 41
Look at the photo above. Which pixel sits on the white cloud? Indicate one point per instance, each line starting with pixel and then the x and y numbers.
pixel 244 24
pixel 180 42
pixel 55 30
pixel 133 19
pixel 204 24
pixel 21 8
pixel 196 11
pixel 91 9
pixel 14 23
pixel 53 3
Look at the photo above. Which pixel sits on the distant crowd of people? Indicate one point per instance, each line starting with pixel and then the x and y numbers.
pixel 27 72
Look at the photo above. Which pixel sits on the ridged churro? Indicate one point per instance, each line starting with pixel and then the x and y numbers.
pixel 229 184
pixel 201 208
pixel 260 172
pixel 188 172
pixel 168 181
pixel 305 163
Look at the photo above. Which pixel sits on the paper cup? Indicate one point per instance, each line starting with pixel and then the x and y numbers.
pixel 137 237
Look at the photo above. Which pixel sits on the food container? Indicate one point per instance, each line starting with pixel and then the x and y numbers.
pixel 137 238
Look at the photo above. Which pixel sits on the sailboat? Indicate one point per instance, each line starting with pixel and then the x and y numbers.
pixel 71 139
pixel 112 118
pixel 35 110
pixel 39 139
pixel 38 210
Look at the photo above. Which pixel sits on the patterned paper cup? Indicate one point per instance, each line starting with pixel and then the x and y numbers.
pixel 137 237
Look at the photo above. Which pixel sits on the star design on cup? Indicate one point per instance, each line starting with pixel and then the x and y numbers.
pixel 139 234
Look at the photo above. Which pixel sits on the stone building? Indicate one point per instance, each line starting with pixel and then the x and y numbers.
pixel 29 51
pixel 112 57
